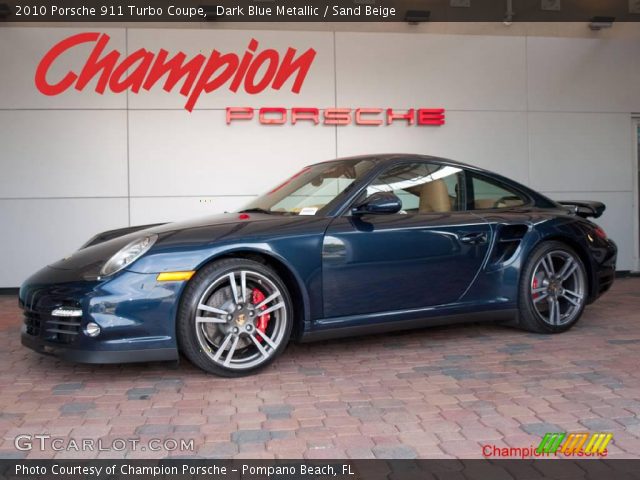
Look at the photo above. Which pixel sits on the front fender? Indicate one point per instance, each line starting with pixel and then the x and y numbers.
pixel 300 258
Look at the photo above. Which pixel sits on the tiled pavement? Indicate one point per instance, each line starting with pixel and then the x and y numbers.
pixel 438 392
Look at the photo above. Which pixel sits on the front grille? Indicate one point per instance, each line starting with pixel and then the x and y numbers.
pixel 64 330
pixel 53 329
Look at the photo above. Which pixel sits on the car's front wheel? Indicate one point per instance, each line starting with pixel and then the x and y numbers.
pixel 235 317
pixel 553 289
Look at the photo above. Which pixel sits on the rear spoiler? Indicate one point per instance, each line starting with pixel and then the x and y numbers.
pixel 585 208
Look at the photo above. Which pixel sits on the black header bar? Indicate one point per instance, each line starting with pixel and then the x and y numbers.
pixel 410 11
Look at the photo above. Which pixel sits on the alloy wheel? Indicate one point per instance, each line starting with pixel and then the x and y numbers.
pixel 240 320
pixel 558 288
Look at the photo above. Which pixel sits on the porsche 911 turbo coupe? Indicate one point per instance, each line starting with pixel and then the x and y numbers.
pixel 346 247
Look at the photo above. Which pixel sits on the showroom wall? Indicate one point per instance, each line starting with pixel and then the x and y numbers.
pixel 553 113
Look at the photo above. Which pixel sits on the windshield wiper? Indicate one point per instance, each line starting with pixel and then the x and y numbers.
pixel 256 210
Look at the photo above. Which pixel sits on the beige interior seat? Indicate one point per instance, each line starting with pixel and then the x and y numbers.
pixel 434 197
pixel 483 203
pixel 513 202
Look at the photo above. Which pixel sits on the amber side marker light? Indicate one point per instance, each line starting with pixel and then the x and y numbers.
pixel 174 276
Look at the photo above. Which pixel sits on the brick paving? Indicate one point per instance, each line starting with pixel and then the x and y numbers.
pixel 434 393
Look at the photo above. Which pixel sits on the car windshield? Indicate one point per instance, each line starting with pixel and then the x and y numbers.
pixel 309 190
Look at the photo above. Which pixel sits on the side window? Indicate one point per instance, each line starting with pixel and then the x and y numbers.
pixel 423 187
pixel 487 194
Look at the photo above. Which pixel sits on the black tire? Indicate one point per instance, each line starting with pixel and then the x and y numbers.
pixel 198 329
pixel 547 304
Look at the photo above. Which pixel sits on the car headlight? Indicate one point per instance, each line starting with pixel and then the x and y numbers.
pixel 128 254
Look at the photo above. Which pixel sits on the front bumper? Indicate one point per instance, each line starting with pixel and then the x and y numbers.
pixel 97 356
pixel 135 313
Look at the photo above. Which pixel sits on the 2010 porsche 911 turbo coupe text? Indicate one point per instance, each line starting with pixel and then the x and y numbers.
pixel 351 246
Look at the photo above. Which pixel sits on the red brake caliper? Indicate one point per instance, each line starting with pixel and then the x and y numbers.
pixel 263 320
pixel 535 286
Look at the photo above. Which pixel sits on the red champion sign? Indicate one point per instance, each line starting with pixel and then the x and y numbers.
pixel 254 72
pixel 142 69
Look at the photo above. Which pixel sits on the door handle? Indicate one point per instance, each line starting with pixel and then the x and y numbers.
pixel 475 238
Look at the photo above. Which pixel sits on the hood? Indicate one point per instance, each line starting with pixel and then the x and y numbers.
pixel 88 261
pixel 211 220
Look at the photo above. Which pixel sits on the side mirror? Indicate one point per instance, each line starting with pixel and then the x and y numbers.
pixel 378 203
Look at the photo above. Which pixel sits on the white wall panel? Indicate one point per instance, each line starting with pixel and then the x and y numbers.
pixel 451 71
pixel 583 75
pixel 317 89
pixel 36 233
pixel 617 220
pixel 174 209
pixel 580 152
pixel 493 140
pixel 553 113
pixel 21 50
pixel 177 153
pixel 63 153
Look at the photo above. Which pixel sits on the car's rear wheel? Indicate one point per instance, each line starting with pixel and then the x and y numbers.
pixel 235 317
pixel 553 289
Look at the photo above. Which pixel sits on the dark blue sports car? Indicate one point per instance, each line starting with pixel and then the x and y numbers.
pixel 347 247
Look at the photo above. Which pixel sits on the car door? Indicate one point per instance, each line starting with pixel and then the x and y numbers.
pixel 426 255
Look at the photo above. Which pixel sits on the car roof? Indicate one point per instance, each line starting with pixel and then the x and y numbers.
pixel 382 158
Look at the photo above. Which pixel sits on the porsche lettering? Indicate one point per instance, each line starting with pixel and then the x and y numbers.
pixel 337 116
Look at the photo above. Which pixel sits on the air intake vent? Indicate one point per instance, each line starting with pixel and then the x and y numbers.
pixel 61 329
pixel 508 238
pixel 32 322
